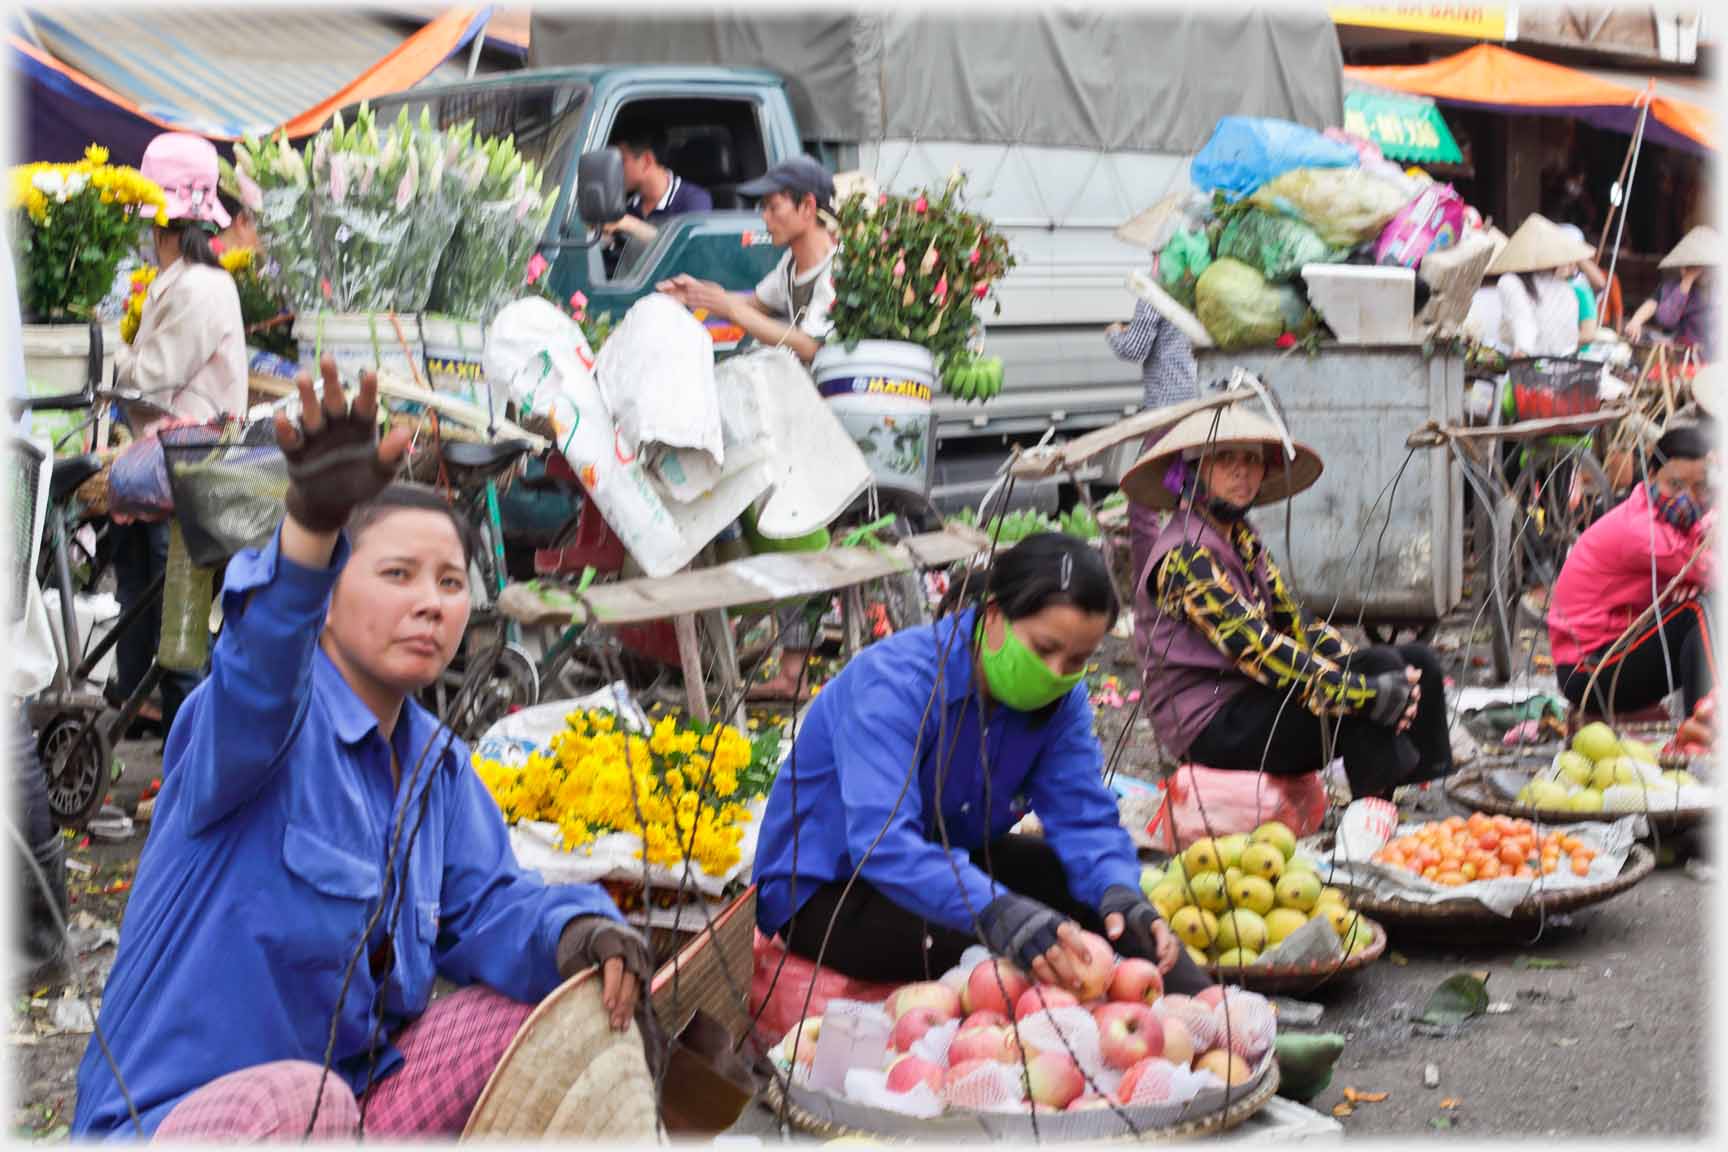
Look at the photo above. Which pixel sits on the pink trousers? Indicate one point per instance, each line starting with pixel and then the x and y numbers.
pixel 448 1055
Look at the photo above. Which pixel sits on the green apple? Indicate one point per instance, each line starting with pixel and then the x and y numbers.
pixel 1548 794
pixel 1638 750
pixel 1209 891
pixel 1150 878
pixel 1280 922
pixel 1168 896
pixel 1174 869
pixel 1626 771
pixel 1597 741
pixel 1237 958
pixel 1331 896
pixel 1575 769
pixel 1587 800
pixel 1298 890
pixel 1241 928
pixel 1345 922
pixel 1252 893
pixel 1602 776
pixel 1680 778
pixel 1195 927
pixel 1230 850
pixel 1301 864
pixel 1231 875
pixel 1278 834
pixel 1263 860
pixel 1203 856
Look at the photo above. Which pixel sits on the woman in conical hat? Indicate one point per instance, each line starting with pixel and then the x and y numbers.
pixel 1236 674
pixel 1538 308
pixel 1686 305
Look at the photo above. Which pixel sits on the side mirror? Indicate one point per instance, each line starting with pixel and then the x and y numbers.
pixel 600 187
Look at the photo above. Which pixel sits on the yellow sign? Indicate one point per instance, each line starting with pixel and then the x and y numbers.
pixel 1470 21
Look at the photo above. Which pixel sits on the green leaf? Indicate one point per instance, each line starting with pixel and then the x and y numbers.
pixel 1538 963
pixel 1461 996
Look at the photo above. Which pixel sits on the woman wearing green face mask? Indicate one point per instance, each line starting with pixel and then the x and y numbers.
pixel 885 851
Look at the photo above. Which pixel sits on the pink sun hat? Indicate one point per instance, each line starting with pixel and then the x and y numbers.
pixel 185 168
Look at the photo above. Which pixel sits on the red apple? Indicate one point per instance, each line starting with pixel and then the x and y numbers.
pixel 1159 1076
pixel 1178 1042
pixel 994 986
pixel 1136 981
pixel 910 1028
pixel 1128 1034
pixel 984 1044
pixel 1041 998
pixel 1089 1101
pixel 1211 996
pixel 1054 1080
pixel 984 1020
pixel 1097 969
pixel 931 994
pixel 958 1095
pixel 908 1072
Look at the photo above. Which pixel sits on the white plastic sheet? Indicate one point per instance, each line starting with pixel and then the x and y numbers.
pixel 656 373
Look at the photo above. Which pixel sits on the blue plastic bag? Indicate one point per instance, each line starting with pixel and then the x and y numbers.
pixel 1247 151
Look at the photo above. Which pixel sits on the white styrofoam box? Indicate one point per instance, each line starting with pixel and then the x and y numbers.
pixel 1364 304
pixel 95 616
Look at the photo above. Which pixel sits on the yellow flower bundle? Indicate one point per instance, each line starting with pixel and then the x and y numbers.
pixel 677 788
pixel 137 293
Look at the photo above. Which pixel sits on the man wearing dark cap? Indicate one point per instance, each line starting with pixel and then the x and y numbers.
pixel 790 307
pixel 791 304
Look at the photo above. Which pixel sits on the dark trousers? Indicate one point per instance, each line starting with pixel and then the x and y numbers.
pixel 1252 732
pixel 40 941
pixel 1672 652
pixel 140 555
pixel 875 939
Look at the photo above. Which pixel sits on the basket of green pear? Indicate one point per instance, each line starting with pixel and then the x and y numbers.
pixel 1254 912
pixel 1602 773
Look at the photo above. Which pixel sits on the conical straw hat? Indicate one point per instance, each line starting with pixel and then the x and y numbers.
pixel 568 1076
pixel 1710 389
pixel 1538 246
pixel 1700 248
pixel 1237 424
pixel 1153 228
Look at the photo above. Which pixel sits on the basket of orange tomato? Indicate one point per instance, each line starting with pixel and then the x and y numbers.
pixel 1494 868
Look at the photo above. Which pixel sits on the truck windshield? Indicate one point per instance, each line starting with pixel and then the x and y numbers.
pixel 545 118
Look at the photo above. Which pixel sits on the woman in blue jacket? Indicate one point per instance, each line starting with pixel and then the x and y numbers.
pixel 322 849
pixel 885 850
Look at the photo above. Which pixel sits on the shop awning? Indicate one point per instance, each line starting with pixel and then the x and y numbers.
pixel 1406 128
pixel 219 73
pixel 1493 78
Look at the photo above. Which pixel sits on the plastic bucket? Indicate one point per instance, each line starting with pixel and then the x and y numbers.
pixel 363 342
pixel 882 392
pixel 57 362
pixel 453 356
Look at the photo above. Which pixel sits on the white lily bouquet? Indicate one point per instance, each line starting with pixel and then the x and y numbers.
pixel 503 215
pixel 275 185
pixel 433 213
pixel 364 184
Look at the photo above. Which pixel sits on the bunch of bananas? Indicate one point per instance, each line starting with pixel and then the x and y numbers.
pixel 972 378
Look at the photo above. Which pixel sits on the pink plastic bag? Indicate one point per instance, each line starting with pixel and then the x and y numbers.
pixel 1201 802
pixel 785 996
pixel 1432 221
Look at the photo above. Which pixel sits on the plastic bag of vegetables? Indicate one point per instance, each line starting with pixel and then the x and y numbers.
pixel 1241 309
pixel 1274 245
pixel 1345 206
pixel 1181 263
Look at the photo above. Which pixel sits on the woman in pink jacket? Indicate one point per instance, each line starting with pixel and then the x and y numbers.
pixel 1615 572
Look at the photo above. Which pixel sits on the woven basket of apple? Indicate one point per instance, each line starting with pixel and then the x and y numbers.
pixel 1493 869
pixel 985 1052
pixel 1255 912
pixel 1604 772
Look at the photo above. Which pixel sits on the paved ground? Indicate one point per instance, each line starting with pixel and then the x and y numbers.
pixel 1611 1044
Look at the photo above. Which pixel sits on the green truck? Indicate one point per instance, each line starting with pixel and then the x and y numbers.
pixel 1068 124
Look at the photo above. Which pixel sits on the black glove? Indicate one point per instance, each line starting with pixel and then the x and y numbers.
pixel 1391 697
pixel 335 462
pixel 590 941
pixel 1020 928
pixel 1138 917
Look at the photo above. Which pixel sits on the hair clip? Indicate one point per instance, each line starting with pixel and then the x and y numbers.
pixel 1067 569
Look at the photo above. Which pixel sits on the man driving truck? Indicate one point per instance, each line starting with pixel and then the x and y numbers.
pixel 656 192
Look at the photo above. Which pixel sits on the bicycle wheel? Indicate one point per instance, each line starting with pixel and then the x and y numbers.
pixel 495 684
pixel 76 756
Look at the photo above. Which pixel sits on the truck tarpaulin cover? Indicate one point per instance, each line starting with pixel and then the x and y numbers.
pixel 1138 81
